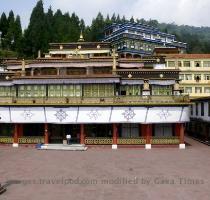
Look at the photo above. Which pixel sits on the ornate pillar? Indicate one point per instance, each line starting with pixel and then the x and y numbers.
pixel 115 133
pixel 46 134
pixel 148 135
pixel 82 134
pixel 15 136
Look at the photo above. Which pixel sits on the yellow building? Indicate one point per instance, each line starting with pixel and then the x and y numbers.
pixel 194 72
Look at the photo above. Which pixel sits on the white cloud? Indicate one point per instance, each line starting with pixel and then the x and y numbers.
pixel 88 9
pixel 189 12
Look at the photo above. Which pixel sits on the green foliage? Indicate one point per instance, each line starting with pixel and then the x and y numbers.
pixel 197 38
pixel 36 34
pixel 97 27
pixel 9 37
pixel 8 54
pixel 3 25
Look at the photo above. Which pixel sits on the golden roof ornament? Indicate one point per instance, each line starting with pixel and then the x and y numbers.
pixel 81 38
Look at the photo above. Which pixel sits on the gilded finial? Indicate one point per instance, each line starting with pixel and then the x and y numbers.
pixel 81 38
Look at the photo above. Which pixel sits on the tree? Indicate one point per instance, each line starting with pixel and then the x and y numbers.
pixel 17 35
pixel 36 33
pixel 11 17
pixel 3 24
pixel 75 28
pixel 49 25
pixel 153 23
pixel 107 20
pixel 58 26
pixel 97 28
pixel 118 20
pixel 82 25
pixel 8 41
pixel 132 20
pixel 113 19
pixel 123 19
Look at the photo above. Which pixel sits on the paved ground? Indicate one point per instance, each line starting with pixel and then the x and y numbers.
pixel 126 174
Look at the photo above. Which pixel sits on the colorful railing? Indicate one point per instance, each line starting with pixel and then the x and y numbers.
pixel 30 140
pixel 132 141
pixel 6 140
pixel 165 140
pixel 99 140
pixel 129 141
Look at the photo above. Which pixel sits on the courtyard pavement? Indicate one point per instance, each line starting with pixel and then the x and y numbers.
pixel 102 173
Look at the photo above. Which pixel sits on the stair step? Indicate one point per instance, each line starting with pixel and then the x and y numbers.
pixel 72 147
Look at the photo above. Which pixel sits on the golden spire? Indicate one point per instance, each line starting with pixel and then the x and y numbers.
pixel 81 38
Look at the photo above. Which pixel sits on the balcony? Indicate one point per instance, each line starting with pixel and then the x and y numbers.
pixel 116 100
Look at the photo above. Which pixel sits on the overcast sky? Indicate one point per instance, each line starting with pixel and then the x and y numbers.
pixel 188 12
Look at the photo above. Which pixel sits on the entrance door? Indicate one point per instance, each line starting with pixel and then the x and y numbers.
pixel 74 131
pixel 58 133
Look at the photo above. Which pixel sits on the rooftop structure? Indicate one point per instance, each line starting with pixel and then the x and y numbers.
pixel 134 39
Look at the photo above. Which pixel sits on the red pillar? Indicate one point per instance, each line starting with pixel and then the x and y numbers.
pixel 143 130
pixel 46 134
pixel 148 135
pixel 181 137
pixel 177 129
pixel 20 130
pixel 15 136
pixel 114 144
pixel 180 133
pixel 82 134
